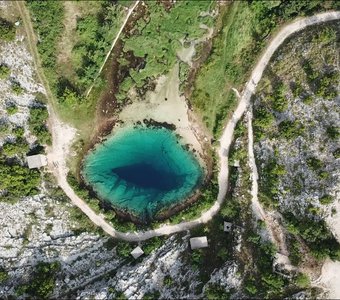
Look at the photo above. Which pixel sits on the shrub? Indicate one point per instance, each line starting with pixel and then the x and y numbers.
pixel 3 275
pixel 7 30
pixel 326 199
pixel 37 124
pixel 302 281
pixel 42 283
pixel 12 109
pixel 16 88
pixel 4 71
pixel 290 129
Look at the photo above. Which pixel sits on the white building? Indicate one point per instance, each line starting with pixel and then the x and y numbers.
pixel 36 161
pixel 198 242
pixel 137 252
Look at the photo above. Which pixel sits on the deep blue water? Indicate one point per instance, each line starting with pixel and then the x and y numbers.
pixel 142 170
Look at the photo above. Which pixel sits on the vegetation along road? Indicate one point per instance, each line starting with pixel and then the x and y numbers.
pixel 62 136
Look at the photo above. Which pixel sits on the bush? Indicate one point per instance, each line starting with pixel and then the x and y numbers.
pixel 7 30
pixel 302 281
pixel 37 124
pixel 290 129
pixel 4 71
pixel 12 109
pixel 16 88
pixel 42 282
pixel 3 275
pixel 124 249
pixel 326 199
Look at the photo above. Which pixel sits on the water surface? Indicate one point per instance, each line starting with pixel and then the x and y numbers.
pixel 142 170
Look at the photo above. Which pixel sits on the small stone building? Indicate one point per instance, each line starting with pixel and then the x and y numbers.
pixel 198 242
pixel 227 226
pixel 36 161
pixel 137 252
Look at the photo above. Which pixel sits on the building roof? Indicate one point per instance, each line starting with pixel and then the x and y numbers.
pixel 227 226
pixel 198 242
pixel 137 252
pixel 36 161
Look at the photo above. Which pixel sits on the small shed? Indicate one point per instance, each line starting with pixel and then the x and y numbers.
pixel 137 252
pixel 227 226
pixel 36 161
pixel 198 242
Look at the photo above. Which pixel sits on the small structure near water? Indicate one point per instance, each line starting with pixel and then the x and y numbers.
pixel 36 161
pixel 198 242
pixel 137 252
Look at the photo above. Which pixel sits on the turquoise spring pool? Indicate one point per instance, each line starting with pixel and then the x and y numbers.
pixel 142 171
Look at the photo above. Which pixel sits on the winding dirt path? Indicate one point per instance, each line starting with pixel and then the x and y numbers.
pixel 63 134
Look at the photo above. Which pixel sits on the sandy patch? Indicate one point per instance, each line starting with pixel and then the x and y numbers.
pixel 330 279
pixel 165 105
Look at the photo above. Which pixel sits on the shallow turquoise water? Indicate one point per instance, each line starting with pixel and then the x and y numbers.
pixel 142 170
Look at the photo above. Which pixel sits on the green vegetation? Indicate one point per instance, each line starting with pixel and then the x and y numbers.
pixel 42 281
pixel 326 199
pixel 245 28
pixel 333 132
pixel 4 71
pixel 124 249
pixel 71 72
pixel 290 129
pixel 302 281
pixel 12 109
pixel 316 235
pixel 215 291
pixel 47 19
pixel 18 181
pixel 3 275
pixel 38 124
pixel 7 30
pixel 159 37
pixel 17 88
pixel 269 181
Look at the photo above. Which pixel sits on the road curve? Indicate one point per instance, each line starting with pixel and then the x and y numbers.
pixel 61 146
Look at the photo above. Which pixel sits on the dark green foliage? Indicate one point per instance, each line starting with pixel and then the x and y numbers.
pixel 332 132
pixel 3 275
pixel 16 87
pixel 314 163
pixel 270 178
pixel 152 244
pixel 19 147
pixel 12 109
pixel 151 295
pixel 7 30
pixel 302 281
pixel 290 129
pixel 326 199
pixel 263 120
pixel 37 124
pixel 4 71
pixel 124 249
pixel 316 235
pixel 18 181
pixel 215 291
pixel 263 282
pixel 278 99
pixel 42 282
pixel 167 281
pixel 47 16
